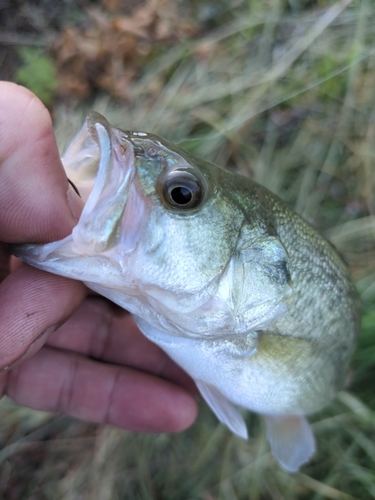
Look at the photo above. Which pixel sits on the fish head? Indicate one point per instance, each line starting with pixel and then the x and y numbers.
pixel 158 231
pixel 155 225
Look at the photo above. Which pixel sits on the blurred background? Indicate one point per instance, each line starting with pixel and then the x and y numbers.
pixel 282 91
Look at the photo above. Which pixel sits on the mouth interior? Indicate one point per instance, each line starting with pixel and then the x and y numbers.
pixel 100 222
pixel 113 216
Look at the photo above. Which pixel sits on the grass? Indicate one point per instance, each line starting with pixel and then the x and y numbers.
pixel 282 92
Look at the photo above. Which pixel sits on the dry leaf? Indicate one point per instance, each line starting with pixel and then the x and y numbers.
pixel 108 55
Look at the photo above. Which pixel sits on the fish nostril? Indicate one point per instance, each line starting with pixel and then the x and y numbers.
pixel 138 150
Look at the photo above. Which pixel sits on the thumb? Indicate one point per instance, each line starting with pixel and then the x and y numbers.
pixel 36 203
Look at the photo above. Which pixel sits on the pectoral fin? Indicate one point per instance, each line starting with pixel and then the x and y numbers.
pixel 225 411
pixel 291 439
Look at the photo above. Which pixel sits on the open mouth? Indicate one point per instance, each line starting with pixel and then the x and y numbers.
pixel 100 223
pixel 112 217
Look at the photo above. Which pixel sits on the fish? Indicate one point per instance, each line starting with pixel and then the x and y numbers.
pixel 230 282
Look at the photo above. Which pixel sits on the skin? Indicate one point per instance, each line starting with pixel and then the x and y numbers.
pixel 62 349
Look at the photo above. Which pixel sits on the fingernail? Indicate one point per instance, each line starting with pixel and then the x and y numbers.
pixel 75 203
pixel 32 349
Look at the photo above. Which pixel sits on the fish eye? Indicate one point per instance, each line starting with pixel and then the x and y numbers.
pixel 182 189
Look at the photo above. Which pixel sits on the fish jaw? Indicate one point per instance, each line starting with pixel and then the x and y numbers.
pixel 99 223
pixel 112 219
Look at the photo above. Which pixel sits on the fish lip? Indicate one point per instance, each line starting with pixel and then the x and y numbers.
pixel 105 234
pixel 98 227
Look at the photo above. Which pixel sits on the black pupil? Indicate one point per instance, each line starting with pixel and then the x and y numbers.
pixel 181 195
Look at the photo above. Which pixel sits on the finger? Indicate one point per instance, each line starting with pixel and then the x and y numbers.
pixel 101 330
pixel 14 263
pixel 104 331
pixel 34 204
pixel 32 304
pixel 54 380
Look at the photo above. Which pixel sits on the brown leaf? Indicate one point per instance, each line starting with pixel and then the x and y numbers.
pixel 108 55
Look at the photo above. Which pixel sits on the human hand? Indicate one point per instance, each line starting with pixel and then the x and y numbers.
pixel 96 365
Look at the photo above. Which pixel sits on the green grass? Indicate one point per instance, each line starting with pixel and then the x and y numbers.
pixel 37 73
pixel 283 92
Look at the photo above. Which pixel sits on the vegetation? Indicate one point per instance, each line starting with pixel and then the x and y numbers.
pixel 282 92
pixel 37 73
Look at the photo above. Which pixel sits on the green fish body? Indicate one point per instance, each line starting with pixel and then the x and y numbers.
pixel 241 292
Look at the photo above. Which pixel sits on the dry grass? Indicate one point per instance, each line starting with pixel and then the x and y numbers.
pixel 283 93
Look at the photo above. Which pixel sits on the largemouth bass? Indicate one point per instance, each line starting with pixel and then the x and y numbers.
pixel 233 285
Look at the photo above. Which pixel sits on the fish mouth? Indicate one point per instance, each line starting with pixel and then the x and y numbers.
pixel 100 224
pixel 113 216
